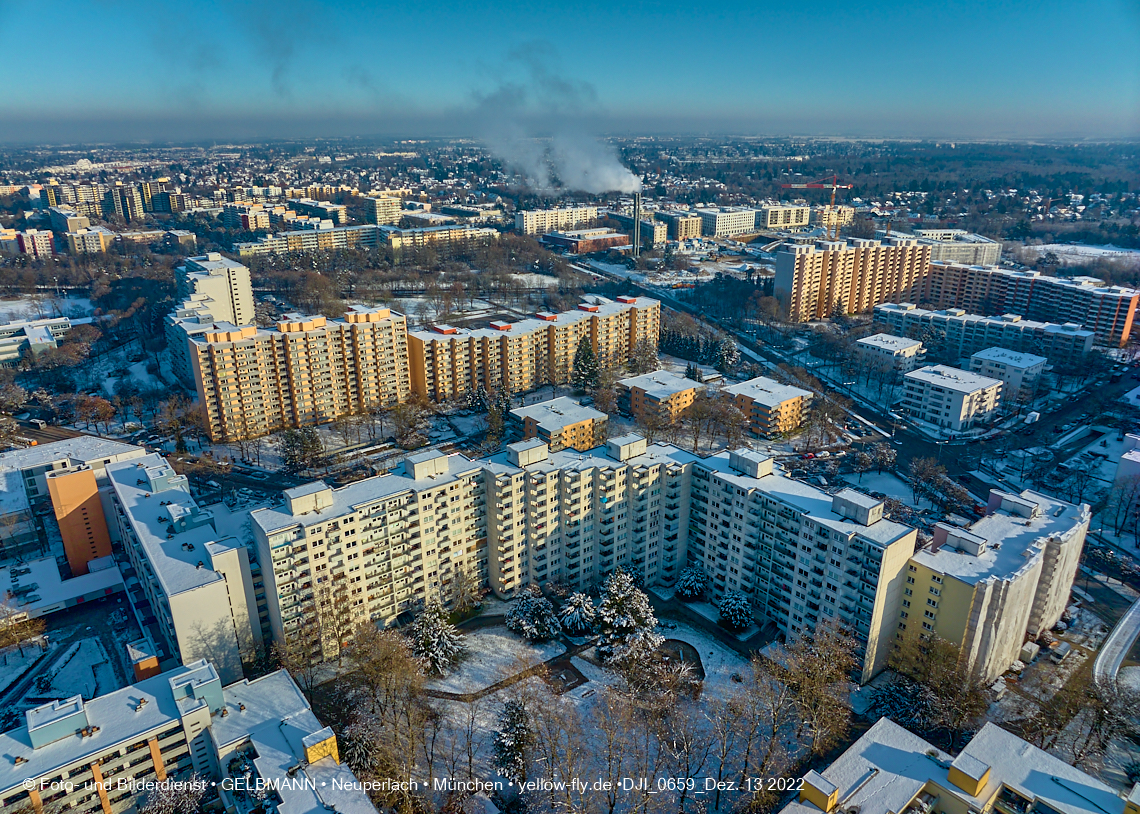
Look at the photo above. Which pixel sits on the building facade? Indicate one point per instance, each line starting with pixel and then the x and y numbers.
pixel 680 225
pixel 770 407
pixel 660 394
pixel 1107 310
pixel 783 217
pixel 950 398
pixel 726 221
pixel 965 334
pixel 847 276
pixel 447 362
pixel 224 281
pixel 540 221
pixel 310 370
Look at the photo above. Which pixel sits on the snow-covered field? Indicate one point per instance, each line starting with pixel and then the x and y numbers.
pixel 1082 253
pixel 83 669
pixel 40 307
pixel 16 664
pixel 886 483
pixel 493 654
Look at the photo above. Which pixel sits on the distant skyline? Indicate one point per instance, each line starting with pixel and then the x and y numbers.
pixel 126 70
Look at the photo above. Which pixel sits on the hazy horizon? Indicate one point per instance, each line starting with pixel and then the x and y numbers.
pixel 128 71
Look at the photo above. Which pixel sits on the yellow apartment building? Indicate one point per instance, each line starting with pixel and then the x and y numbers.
pixel 770 407
pixel 561 423
pixel 660 393
pixel 309 370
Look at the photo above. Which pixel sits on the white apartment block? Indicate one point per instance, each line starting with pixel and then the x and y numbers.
pixel 966 334
pixel 950 398
pixel 528 516
pixel 726 221
pixel 386 210
pixel 377 547
pixel 224 281
pixel 540 221
pixel 887 351
pixel 1019 372
pixel 960 246
pixel 783 217
pixel 35 335
pixel 200 586
pixel 84 756
pixel 991 587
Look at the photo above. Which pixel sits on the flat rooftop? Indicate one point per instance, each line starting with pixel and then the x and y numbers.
pixel 82 449
pixel 889 342
pixel 360 494
pixel 951 378
pixel 558 413
pixel 174 558
pixel 660 384
pixel 1013 542
pixel 51 591
pixel 1010 358
pixel 767 392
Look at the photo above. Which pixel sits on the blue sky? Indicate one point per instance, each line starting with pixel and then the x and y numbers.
pixel 117 69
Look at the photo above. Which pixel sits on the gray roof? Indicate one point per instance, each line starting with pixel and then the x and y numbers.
pixel 765 391
pixel 81 449
pixel 951 378
pixel 660 384
pixel 1011 358
pixel 557 413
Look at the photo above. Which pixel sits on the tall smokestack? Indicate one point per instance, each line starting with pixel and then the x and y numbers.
pixel 637 224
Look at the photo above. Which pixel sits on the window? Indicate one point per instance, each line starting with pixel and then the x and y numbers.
pixel 929 615
pixel 927 626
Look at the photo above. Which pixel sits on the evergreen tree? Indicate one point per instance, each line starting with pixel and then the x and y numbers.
pixel 585 365
pixel 532 616
pixel 735 610
pixel 626 624
pixel 691 584
pixel 434 640
pixel 513 741
pixel 578 614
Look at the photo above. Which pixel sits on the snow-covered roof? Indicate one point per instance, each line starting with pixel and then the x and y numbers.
pixel 82 449
pixel 889 342
pixel 1010 358
pixel 951 378
pixel 1014 536
pixel 273 715
pixel 887 768
pixel 660 384
pixel 51 590
pixel 353 496
pixel 765 391
pixel 552 416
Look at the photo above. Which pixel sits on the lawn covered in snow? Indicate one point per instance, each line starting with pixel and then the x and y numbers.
pixel 493 654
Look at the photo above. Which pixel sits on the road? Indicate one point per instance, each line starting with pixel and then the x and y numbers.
pixel 1117 645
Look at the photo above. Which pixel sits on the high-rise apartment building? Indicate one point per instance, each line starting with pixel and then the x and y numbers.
pixel 246 217
pixel 79 511
pixel 124 201
pixel 783 217
pixel 531 516
pixel 309 370
pixel 199 584
pixel 950 398
pixel 965 334
pixel 959 246
pixel 66 219
pixel 386 210
pixel 96 756
pixel 847 276
pixel 540 221
pixel 312 240
pixel 771 408
pixel 447 362
pixel 225 282
pixel 1004 580
pixel 1107 310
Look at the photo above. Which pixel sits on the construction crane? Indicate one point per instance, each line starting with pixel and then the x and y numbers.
pixel 833 184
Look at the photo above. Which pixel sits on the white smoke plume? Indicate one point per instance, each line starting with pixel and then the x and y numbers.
pixel 536 127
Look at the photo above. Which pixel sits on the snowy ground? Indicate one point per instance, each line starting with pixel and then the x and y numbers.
pixel 1079 253
pixel 13 664
pixel 712 613
pixel 83 669
pixel 888 484
pixel 492 655
pixel 41 307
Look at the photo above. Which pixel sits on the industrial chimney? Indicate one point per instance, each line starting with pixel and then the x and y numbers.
pixel 637 224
